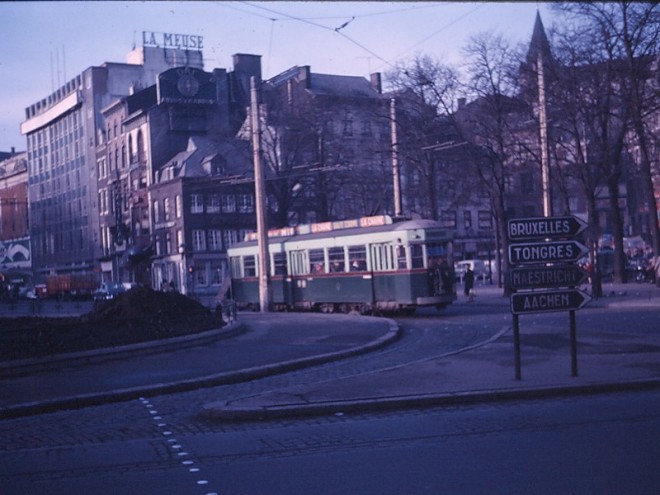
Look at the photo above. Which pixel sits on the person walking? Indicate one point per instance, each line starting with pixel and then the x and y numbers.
pixel 469 284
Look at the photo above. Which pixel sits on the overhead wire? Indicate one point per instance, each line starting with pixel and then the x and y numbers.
pixel 282 16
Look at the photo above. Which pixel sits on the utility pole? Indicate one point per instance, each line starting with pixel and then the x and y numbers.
pixel 395 161
pixel 260 200
pixel 543 124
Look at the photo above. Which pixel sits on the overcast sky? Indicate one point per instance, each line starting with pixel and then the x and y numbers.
pixel 45 44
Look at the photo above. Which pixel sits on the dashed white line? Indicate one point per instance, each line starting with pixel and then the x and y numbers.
pixel 175 445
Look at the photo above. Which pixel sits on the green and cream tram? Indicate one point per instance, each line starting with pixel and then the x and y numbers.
pixel 366 265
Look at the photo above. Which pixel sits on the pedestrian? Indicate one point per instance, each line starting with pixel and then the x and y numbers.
pixel 469 284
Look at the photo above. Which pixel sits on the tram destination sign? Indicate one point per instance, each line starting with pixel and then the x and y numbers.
pixel 548 301
pixel 545 228
pixel 531 253
pixel 547 276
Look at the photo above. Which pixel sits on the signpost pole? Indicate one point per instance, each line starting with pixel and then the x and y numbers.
pixel 516 344
pixel 574 367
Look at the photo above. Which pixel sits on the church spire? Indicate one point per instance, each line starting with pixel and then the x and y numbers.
pixel 539 42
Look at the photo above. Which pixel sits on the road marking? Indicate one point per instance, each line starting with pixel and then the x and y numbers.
pixel 174 444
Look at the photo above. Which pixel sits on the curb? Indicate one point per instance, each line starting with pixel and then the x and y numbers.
pixel 418 401
pixel 25 366
pixel 226 378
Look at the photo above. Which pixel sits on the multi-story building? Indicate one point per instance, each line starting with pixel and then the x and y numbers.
pixel 202 201
pixel 148 130
pixel 62 132
pixel 327 146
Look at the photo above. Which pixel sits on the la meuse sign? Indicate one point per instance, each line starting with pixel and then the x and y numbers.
pixel 172 40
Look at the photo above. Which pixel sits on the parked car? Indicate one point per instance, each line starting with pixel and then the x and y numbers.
pixel 479 267
pixel 108 290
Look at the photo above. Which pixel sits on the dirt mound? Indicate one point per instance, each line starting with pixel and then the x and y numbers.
pixel 138 315
pixel 140 302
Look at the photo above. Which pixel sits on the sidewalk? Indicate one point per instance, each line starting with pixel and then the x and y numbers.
pixel 608 360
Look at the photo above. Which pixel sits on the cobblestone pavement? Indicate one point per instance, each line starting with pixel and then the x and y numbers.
pixel 430 333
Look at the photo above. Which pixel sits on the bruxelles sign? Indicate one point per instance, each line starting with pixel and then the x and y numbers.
pixel 545 228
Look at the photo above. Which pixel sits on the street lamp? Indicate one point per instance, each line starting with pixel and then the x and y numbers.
pixel 182 266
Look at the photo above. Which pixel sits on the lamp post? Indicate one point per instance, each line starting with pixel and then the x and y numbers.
pixel 183 269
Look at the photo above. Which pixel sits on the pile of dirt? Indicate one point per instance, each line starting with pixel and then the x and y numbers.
pixel 138 315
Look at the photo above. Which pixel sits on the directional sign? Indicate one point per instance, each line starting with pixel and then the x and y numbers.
pixel 546 252
pixel 546 301
pixel 547 277
pixel 545 228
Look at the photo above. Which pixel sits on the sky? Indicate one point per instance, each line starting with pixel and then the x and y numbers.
pixel 45 44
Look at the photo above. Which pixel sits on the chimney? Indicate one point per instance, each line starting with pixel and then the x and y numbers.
pixel 376 82
pixel 461 103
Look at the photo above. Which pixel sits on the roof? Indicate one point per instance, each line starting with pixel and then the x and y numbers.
pixel 231 153
pixel 347 86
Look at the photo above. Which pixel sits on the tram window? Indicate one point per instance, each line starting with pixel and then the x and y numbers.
pixel 298 262
pixel 235 266
pixel 358 258
pixel 401 257
pixel 316 261
pixel 336 258
pixel 279 263
pixel 382 257
pixel 417 256
pixel 249 266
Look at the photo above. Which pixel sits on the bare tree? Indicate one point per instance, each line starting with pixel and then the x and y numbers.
pixel 494 122
pixel 426 92
pixel 630 32
pixel 589 120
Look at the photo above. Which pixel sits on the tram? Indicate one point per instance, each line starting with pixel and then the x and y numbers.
pixel 369 265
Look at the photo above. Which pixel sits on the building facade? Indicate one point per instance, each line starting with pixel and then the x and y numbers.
pixel 15 254
pixel 62 133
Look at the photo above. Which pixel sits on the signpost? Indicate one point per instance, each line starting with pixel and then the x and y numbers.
pixel 547 276
pixel 545 228
pixel 550 300
pixel 546 264
pixel 546 252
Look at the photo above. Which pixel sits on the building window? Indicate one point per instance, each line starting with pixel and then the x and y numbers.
pixel 213 205
pixel 177 206
pixel 348 126
pixel 166 209
pixel 215 240
pixel 246 203
pixel 198 240
pixel 196 203
pixel 156 212
pixel 485 219
pixel 467 219
pixel 229 237
pixel 228 203
pixel 140 148
pixel 449 219
pixel 168 243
